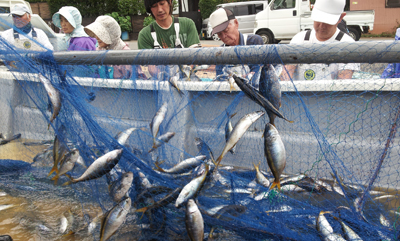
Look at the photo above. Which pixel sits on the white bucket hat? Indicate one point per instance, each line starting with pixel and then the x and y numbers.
pixel 328 11
pixel 104 27
pixel 20 9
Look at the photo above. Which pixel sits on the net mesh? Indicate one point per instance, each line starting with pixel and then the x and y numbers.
pixel 342 153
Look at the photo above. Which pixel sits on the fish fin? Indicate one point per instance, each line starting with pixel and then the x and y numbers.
pixel 233 115
pixel 68 176
pixel 143 128
pixel 152 149
pixel 158 167
pixel 68 183
pixel 68 234
pixel 142 210
pixel 231 88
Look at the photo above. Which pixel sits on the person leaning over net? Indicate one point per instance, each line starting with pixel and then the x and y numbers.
pixel 22 35
pixel 107 32
pixel 327 14
pixel 69 19
pixel 166 31
pixel 225 24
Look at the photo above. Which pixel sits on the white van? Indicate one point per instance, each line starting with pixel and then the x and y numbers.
pixel 245 13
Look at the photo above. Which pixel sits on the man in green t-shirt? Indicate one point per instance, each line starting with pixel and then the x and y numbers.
pixel 163 32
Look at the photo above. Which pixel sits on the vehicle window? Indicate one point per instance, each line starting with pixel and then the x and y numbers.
pixel 241 10
pixel 259 7
pixel 247 9
pixel 4 10
pixel 284 4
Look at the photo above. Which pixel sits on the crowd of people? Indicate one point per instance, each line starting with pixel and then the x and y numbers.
pixel 168 31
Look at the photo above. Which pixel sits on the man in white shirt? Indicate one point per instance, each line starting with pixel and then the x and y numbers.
pixel 327 14
pixel 22 33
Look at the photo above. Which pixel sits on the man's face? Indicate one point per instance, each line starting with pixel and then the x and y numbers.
pixel 325 31
pixel 230 36
pixel 21 21
pixel 160 10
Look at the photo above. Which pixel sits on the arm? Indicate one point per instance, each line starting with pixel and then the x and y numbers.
pixel 288 72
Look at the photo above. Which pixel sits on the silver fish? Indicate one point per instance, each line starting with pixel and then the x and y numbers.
pixel 228 130
pixel 99 167
pixel 174 82
pixel 383 220
pixel 274 152
pixel 114 218
pixel 238 131
pixel 323 226
pixel 121 187
pixel 349 233
pixel 67 164
pixel 261 179
pixel 294 179
pixel 192 188
pixel 144 182
pixel 14 137
pixel 292 188
pixel 6 206
pixel 67 219
pixel 161 140
pixel 59 151
pixel 54 96
pixel 157 120
pixel 194 221
pixel 270 89
pixel 123 136
pixel 184 165
pixel 384 197
pixel 204 149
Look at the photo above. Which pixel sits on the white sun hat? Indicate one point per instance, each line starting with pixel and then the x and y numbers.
pixel 328 11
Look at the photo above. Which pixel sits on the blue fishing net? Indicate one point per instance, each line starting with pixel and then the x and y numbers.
pixel 341 150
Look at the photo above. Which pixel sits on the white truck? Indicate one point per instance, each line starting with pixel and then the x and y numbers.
pixel 6 22
pixel 282 19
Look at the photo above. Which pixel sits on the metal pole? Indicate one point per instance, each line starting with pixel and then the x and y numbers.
pixel 337 52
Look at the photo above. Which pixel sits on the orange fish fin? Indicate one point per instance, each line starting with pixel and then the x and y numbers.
pixel 158 167
pixel 54 169
pixel 276 183
pixel 142 210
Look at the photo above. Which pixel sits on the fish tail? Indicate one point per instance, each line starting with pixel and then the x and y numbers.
pixel 55 179
pixel 210 235
pixel 158 167
pixel 276 183
pixel 255 166
pixel 54 169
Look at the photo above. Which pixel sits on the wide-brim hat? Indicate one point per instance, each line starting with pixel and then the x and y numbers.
pixel 72 15
pixel 97 29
